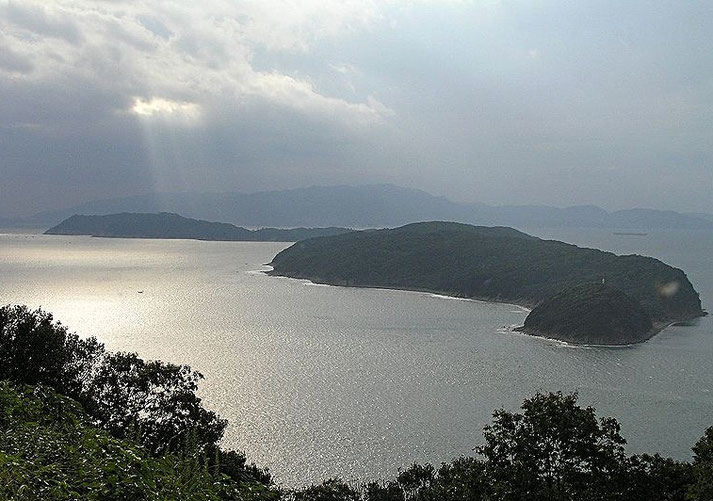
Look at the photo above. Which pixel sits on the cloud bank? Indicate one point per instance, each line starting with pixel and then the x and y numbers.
pixel 478 100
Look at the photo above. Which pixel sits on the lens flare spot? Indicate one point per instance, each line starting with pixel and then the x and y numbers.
pixel 669 289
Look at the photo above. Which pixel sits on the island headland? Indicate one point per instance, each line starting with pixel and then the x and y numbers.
pixel 168 225
pixel 591 314
pixel 640 296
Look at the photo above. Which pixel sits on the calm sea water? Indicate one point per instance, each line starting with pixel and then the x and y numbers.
pixel 319 381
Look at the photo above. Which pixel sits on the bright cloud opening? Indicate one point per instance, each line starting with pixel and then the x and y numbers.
pixel 159 107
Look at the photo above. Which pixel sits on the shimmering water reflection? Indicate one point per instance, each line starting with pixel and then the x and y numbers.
pixel 323 381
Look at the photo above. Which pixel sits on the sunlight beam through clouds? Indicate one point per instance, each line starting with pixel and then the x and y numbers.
pixel 166 108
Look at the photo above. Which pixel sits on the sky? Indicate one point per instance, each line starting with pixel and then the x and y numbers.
pixel 502 102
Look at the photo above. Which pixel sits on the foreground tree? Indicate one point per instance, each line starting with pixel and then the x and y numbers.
pixel 157 400
pixel 152 402
pixel 553 450
pixel 329 490
pixel 461 479
pixel 34 349
pixel 657 477
pixel 702 488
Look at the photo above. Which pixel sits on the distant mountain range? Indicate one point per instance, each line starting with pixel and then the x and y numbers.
pixel 167 225
pixel 369 206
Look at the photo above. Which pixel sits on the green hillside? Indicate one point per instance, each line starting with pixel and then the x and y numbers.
pixel 498 263
pixel 50 450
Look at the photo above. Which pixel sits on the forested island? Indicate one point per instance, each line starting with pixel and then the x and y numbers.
pixel 169 225
pixel 503 264
pixel 80 422
pixel 590 314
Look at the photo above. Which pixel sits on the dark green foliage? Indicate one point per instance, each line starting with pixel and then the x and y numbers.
pixel 152 402
pixel 157 399
pixel 591 313
pixel 416 479
pixel 461 479
pixel 168 225
pixel 329 490
pixel 702 488
pixel 703 450
pixel 49 450
pixel 234 464
pixel 34 349
pixel 479 262
pixel 119 390
pixel 391 491
pixel 553 450
pixel 656 477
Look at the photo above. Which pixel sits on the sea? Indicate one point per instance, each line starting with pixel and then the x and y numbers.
pixel 321 381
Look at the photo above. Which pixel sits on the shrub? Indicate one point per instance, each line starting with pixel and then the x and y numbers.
pixel 120 391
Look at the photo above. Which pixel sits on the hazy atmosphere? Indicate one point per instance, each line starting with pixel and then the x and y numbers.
pixel 356 250
pixel 501 102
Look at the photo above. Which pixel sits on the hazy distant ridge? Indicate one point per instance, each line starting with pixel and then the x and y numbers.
pixel 167 225
pixel 372 206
